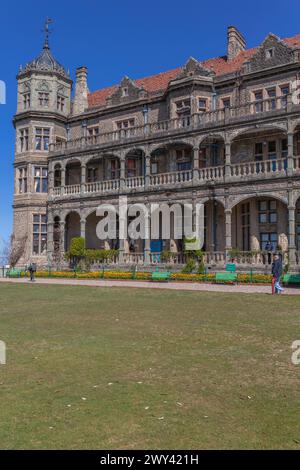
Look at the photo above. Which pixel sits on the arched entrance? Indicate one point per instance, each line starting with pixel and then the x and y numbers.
pixel 72 228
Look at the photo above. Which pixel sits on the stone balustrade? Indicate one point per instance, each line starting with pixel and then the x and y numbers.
pixel 251 111
pixel 260 167
pixel 250 170
pixel 217 259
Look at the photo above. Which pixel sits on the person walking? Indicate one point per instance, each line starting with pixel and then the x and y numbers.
pixel 32 270
pixel 277 273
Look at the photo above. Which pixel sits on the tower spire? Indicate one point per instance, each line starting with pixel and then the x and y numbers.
pixel 47 31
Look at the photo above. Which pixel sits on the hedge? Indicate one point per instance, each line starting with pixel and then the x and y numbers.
pixel 241 278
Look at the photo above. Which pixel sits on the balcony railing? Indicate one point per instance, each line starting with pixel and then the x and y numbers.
pixel 171 178
pixel 254 110
pixel 250 170
pixel 102 186
pixel 260 168
pixel 216 259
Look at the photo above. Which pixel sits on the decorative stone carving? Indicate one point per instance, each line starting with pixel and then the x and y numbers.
pixel 43 86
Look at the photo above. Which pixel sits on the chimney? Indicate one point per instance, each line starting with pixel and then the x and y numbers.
pixel 81 91
pixel 235 42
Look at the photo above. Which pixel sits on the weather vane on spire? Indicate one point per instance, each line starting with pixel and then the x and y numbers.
pixel 47 31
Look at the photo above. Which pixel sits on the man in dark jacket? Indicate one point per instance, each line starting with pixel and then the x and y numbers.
pixel 32 270
pixel 277 273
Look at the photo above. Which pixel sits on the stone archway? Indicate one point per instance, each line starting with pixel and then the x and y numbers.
pixel 257 221
pixel 72 228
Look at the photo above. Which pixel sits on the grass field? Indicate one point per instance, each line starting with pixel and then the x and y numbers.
pixel 116 368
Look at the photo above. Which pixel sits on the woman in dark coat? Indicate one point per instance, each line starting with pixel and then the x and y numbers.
pixel 277 273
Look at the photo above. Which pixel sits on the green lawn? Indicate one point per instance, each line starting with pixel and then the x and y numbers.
pixel 157 369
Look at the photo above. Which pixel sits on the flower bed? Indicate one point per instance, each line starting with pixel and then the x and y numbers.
pixel 146 276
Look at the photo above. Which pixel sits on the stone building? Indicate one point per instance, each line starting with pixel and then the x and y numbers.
pixel 224 131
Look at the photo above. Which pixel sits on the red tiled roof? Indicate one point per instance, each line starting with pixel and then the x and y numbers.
pixel 160 82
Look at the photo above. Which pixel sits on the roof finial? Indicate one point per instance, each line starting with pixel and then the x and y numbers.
pixel 47 31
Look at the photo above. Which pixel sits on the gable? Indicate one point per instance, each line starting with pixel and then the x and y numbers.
pixel 271 53
pixel 194 68
pixel 126 91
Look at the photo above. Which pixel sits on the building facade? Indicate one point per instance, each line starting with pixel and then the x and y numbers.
pixel 224 132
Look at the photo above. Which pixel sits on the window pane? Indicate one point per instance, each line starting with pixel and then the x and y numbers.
pixel 263 205
pixel 37 185
pixel 44 185
pixel 273 237
pixel 272 146
pixel 38 143
pixel 263 218
pixel 258 148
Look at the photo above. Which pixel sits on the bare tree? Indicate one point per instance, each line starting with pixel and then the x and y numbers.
pixel 15 249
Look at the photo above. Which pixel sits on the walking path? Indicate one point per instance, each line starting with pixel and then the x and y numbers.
pixel 188 286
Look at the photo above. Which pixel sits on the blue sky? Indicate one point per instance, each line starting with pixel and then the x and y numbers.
pixel 116 38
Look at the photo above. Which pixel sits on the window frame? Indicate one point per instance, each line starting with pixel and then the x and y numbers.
pixel 39 234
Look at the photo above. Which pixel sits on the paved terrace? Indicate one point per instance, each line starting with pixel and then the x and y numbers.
pixel 187 286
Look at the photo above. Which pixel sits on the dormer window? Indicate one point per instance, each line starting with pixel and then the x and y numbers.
pixel 270 53
pixel 124 91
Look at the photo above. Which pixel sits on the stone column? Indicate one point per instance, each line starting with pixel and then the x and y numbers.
pixel 63 179
pixel 227 159
pixel 122 172
pixel 62 236
pixel 212 225
pixel 228 243
pixel 83 177
pixel 147 248
pixel 290 157
pixel 291 236
pixel 122 235
pixel 50 229
pixel 147 170
pixel 195 163
pixel 50 179
pixel 82 227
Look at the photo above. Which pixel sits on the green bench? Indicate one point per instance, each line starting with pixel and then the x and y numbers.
pixel 160 276
pixel 291 279
pixel 230 274
pixel 13 272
